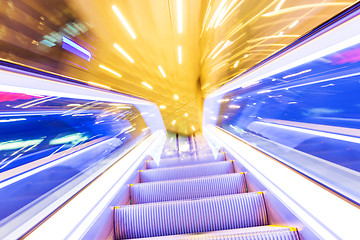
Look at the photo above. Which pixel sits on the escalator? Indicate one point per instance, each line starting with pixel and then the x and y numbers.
pixel 195 198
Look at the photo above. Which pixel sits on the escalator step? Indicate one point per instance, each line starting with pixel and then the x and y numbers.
pixel 253 233
pixel 194 188
pixel 190 216
pixel 163 174
pixel 151 164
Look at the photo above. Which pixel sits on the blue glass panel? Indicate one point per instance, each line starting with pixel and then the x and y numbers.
pixel 39 131
pixel 310 111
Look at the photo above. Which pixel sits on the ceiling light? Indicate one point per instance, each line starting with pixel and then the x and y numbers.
pixel 226 44
pixel 173 122
pixel 186 114
pixel 205 20
pixel 236 64
pixel 246 55
pixel 218 46
pixel 193 128
pixel 176 97
pixel 123 21
pixel 279 5
pixel 179 15
pixel 147 85
pixel 294 23
pixel 179 54
pixel 98 85
pixel 162 71
pixel 224 13
pixel 216 14
pixel 230 6
pixel 123 52
pixel 76 49
pixel 109 70
pixel 162 106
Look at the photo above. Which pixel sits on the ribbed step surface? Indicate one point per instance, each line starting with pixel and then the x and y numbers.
pixel 151 164
pixel 181 217
pixel 170 173
pixel 194 188
pixel 254 233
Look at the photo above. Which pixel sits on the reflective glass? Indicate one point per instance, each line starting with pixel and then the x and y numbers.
pixel 51 147
pixel 307 116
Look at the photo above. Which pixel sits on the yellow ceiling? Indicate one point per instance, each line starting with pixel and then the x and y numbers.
pixel 220 40
pixel 155 25
pixel 216 34
pixel 255 30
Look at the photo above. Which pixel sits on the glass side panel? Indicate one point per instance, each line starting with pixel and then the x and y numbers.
pixel 50 146
pixel 310 112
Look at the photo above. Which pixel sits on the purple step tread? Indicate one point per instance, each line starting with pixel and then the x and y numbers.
pixel 151 164
pixel 170 173
pixel 194 188
pixel 253 233
pixel 190 216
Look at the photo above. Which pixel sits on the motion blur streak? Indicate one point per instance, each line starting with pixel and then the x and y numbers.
pixel 84 83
